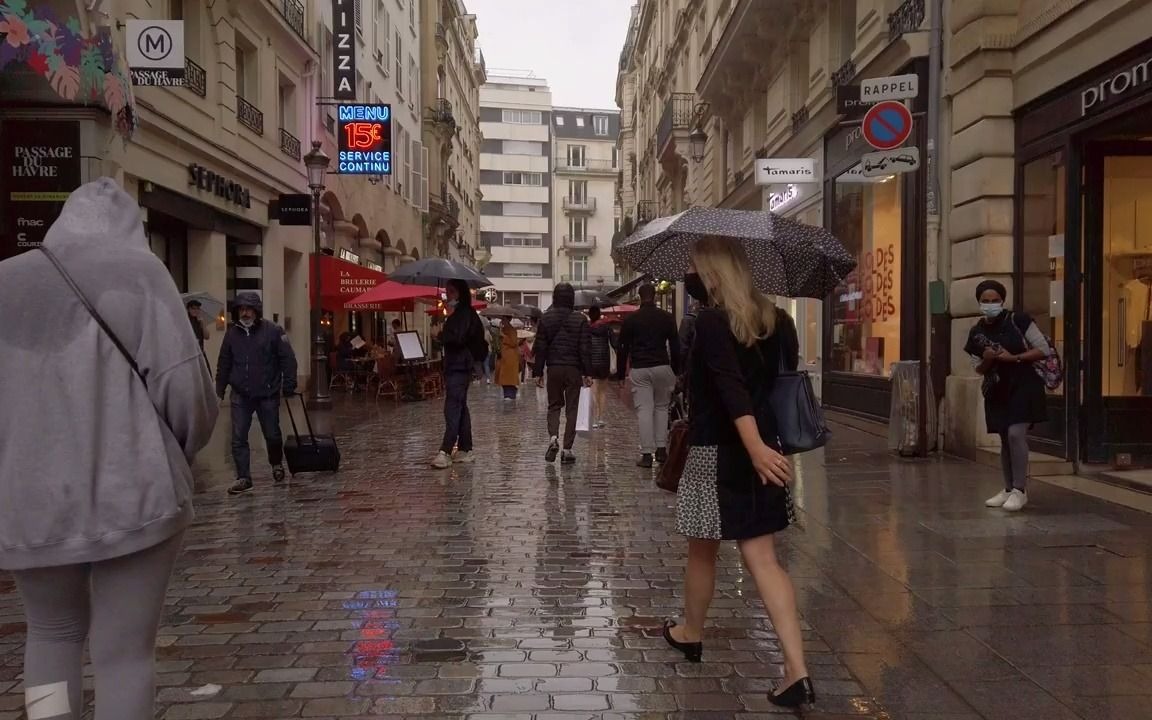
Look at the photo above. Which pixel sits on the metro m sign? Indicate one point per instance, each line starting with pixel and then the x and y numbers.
pixel 343 50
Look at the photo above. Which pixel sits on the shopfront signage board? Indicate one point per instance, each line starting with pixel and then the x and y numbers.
pixel 848 102
pixel 887 125
pixel 364 137
pixel 893 87
pixel 344 50
pixel 890 162
pixel 294 209
pixel 155 50
pixel 773 171
pixel 41 166
pixel 224 188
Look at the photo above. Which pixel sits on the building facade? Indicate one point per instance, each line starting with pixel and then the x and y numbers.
pixel 1050 174
pixel 452 72
pixel 516 183
pixel 585 213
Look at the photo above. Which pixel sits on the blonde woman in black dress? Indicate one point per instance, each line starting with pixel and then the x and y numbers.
pixel 735 483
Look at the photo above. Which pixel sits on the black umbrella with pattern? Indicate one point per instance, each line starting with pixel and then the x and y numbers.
pixel 788 258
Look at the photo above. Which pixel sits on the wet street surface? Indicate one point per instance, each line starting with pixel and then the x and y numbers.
pixel 515 590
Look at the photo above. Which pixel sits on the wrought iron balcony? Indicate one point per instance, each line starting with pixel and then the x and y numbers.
pixel 646 210
pixel 293 12
pixel 844 74
pixel 195 79
pixel 677 115
pixel 249 116
pixel 906 19
pixel 581 242
pixel 289 144
pixel 799 118
pixel 441 113
pixel 585 165
pixel 591 281
pixel 580 205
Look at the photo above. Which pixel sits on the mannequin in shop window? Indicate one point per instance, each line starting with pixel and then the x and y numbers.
pixel 1003 346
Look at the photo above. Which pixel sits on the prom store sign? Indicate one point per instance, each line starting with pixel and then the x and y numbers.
pixel 364 133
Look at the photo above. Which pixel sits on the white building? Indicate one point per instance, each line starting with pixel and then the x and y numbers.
pixel 516 183
pixel 585 214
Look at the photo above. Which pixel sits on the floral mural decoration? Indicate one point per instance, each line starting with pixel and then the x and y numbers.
pixel 80 67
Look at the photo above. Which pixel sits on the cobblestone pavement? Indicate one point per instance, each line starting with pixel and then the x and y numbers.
pixel 509 589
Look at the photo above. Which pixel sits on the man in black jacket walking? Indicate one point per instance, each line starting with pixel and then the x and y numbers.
pixel 562 347
pixel 257 361
pixel 650 342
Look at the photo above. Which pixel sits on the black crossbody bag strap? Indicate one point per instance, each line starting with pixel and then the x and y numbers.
pixel 96 316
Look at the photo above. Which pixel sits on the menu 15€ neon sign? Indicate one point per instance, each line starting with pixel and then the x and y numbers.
pixel 364 134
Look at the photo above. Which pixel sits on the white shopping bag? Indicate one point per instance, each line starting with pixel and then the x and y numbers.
pixel 584 411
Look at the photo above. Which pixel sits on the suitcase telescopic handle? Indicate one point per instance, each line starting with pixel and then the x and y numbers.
pixel 307 419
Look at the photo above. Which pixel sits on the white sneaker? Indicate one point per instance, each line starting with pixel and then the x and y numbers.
pixel 463 457
pixel 998 499
pixel 442 461
pixel 1016 501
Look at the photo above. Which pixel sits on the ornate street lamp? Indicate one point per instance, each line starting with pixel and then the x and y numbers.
pixel 697 141
pixel 317 163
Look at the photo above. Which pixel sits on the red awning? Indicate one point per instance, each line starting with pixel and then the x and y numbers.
pixel 342 281
pixel 390 296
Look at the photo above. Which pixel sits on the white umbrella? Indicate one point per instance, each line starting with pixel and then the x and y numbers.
pixel 209 305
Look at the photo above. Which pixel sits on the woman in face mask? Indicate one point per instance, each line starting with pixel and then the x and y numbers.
pixel 1003 346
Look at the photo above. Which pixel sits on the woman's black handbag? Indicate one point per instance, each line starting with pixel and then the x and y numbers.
pixel 800 425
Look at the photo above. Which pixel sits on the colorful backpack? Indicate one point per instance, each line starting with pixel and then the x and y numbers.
pixel 1051 368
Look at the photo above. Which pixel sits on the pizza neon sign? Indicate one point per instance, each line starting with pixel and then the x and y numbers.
pixel 364 135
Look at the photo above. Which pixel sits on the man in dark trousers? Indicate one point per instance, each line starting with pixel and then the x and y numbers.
pixel 562 347
pixel 650 342
pixel 257 361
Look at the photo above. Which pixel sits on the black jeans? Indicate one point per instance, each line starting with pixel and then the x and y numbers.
pixel 267 410
pixel 457 419
pixel 564 385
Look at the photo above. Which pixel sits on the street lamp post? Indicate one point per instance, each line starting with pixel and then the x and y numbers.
pixel 317 163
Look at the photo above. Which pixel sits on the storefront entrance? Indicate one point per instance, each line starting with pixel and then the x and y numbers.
pixel 1084 262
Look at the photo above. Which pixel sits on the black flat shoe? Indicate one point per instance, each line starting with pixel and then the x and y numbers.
pixel 799 694
pixel 693 652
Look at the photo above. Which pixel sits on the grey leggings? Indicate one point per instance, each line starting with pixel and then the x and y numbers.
pixel 117 605
pixel 1014 456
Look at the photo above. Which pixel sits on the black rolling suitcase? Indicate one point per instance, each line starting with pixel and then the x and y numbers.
pixel 311 452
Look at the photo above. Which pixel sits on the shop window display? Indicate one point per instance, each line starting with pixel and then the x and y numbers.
pixel 866 306
pixel 1042 251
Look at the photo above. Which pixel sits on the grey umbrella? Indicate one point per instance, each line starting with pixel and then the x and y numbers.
pixel 501 311
pixel 529 311
pixel 437 272
pixel 593 298
pixel 788 258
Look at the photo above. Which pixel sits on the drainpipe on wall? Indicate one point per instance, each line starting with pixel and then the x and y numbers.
pixel 936 242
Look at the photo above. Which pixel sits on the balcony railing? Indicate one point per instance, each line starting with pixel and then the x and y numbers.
pixel 293 12
pixel 564 164
pixel 906 19
pixel 249 116
pixel 289 144
pixel 441 112
pixel 591 280
pixel 677 116
pixel 195 79
pixel 646 210
pixel 581 242
pixel 587 204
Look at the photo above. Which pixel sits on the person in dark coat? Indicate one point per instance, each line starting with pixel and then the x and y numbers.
pixel 1003 346
pixel 195 317
pixel 465 343
pixel 563 349
pixel 600 340
pixel 257 362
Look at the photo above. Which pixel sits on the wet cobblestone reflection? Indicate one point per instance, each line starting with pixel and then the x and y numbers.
pixel 514 590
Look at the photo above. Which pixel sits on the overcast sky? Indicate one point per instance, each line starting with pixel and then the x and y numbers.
pixel 574 45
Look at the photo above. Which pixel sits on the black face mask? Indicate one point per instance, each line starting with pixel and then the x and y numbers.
pixel 696 288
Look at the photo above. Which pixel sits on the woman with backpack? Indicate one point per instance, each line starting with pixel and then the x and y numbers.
pixel 465 344
pixel 1003 346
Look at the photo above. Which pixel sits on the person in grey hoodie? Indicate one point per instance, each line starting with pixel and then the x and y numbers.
pixel 95 462
pixel 256 359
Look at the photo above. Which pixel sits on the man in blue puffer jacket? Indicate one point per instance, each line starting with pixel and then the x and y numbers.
pixel 256 359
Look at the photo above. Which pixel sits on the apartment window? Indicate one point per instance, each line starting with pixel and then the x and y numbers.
pixel 399 63
pixel 615 157
pixel 532 299
pixel 522 117
pixel 522 147
pixel 524 240
pixel 559 121
pixel 189 12
pixel 286 105
pixel 578 269
pixel 578 229
pixel 523 270
pixel 399 157
pixel 578 191
pixel 358 15
pixel 412 16
pixel 523 178
pixel 523 209
pixel 577 156
pixel 413 80
pixel 247 71
pixel 383 37
pixel 600 124
pixel 579 121
pixel 847 29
